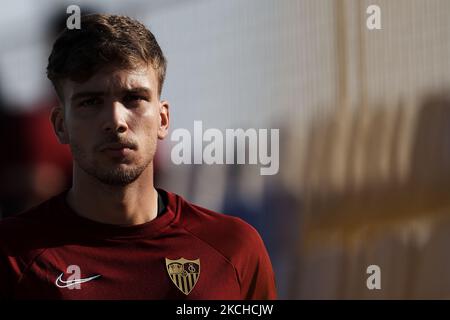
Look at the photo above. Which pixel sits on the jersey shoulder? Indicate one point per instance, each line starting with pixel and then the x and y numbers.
pixel 25 230
pixel 231 236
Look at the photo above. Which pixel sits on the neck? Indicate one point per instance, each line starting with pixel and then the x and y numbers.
pixel 133 204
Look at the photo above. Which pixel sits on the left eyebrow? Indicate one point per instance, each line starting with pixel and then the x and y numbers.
pixel 85 94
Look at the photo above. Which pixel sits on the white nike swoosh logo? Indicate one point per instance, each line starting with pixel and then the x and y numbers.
pixel 60 283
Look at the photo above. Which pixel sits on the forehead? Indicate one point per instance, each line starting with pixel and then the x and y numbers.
pixel 110 79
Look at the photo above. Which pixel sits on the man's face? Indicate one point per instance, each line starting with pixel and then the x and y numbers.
pixel 112 123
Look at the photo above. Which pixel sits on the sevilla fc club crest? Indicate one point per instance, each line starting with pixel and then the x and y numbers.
pixel 184 273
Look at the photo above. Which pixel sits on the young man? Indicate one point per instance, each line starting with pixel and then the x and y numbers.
pixel 112 235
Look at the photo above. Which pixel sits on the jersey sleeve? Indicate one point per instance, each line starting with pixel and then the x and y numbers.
pixel 255 269
pixel 10 262
pixel 6 278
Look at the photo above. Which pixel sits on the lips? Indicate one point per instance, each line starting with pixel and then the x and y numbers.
pixel 117 149
pixel 116 146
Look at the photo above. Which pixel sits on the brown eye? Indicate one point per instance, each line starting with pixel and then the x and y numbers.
pixel 133 97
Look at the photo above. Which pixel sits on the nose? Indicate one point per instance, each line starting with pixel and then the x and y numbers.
pixel 114 118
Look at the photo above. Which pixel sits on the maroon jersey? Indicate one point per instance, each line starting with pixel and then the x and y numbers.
pixel 188 252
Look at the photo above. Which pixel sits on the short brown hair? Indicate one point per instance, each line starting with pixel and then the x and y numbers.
pixel 103 40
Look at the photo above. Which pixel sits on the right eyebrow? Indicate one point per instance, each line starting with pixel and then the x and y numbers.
pixel 85 94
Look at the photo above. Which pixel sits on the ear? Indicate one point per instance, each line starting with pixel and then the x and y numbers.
pixel 59 126
pixel 163 119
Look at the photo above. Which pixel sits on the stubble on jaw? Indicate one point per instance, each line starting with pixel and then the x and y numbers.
pixel 115 176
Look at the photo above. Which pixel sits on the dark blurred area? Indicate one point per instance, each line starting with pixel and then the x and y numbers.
pixel 34 166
